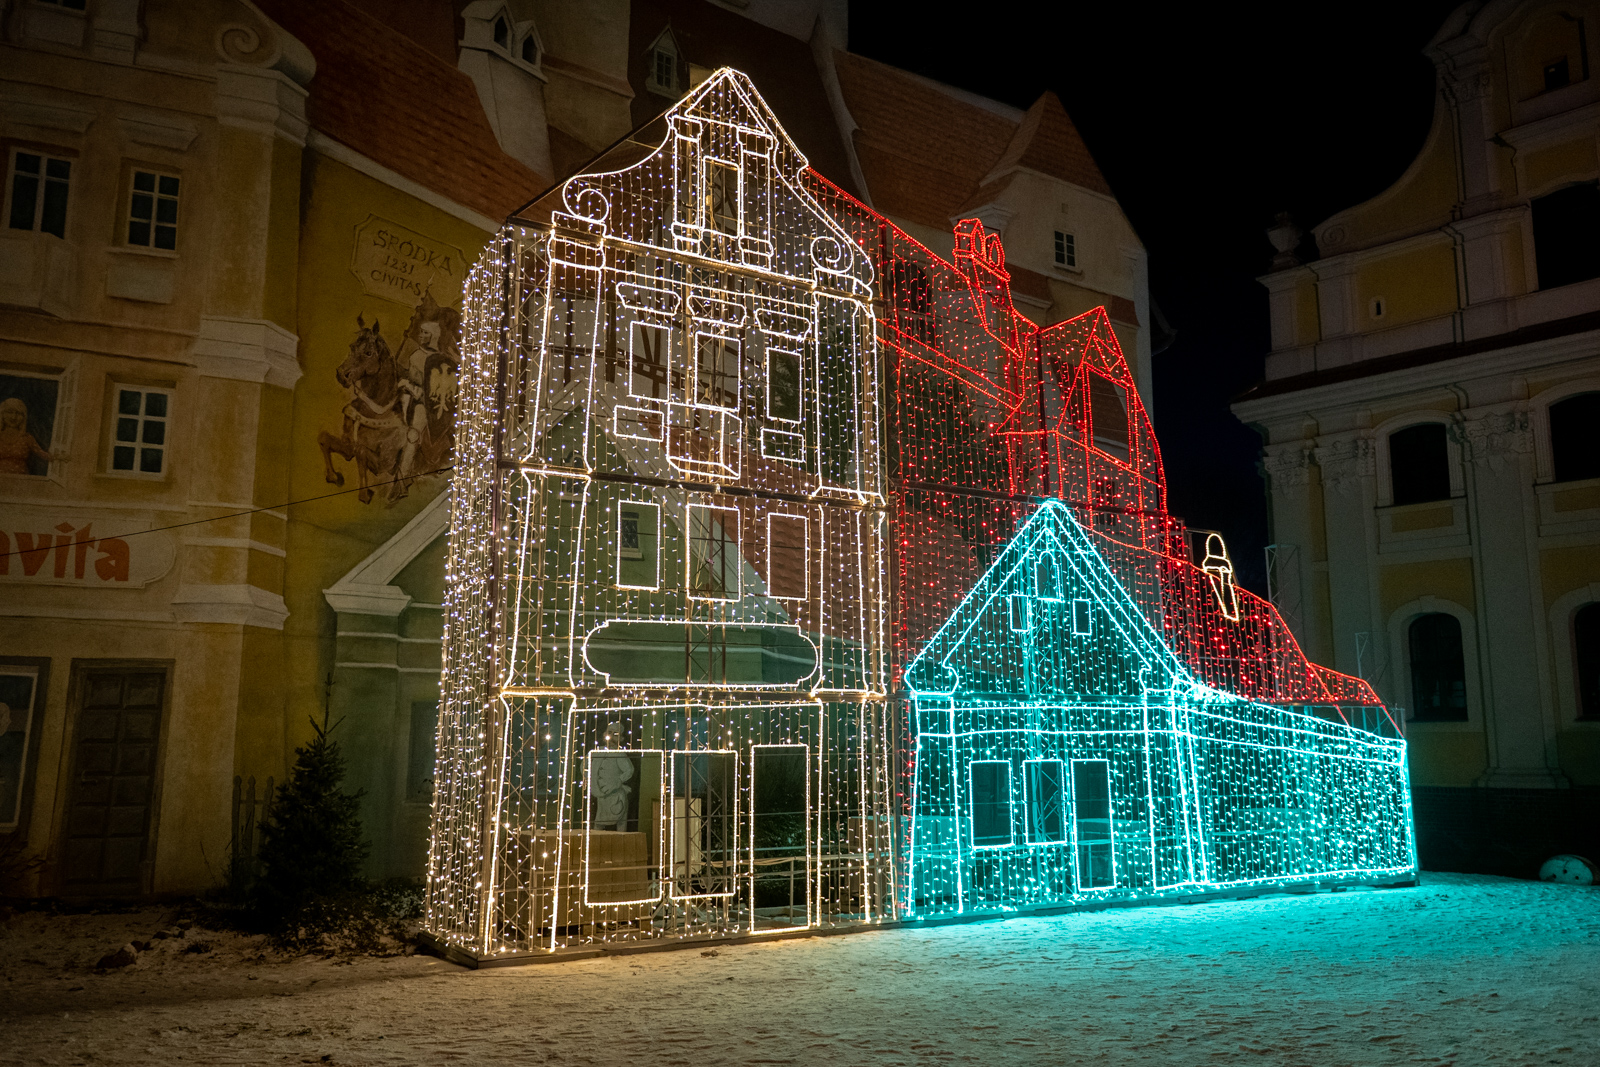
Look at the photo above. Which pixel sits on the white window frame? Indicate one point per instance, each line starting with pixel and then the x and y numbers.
pixel 116 417
pixel 1064 250
pixel 156 196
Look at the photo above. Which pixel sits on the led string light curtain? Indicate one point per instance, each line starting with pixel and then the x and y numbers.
pixel 735 449
pixel 667 561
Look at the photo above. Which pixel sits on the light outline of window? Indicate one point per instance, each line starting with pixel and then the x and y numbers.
pixel 696 399
pixel 1019 612
pixel 140 419
pixel 41 194
pixel 774 442
pixel 1028 804
pixel 728 542
pixel 1094 435
pixel 1082 617
pixel 158 194
pixel 799 383
pixel 1066 250
pixel 713 170
pixel 670 837
pixel 1110 841
pixel 588 818
pixel 1047 584
pixel 772 559
pixel 972 805
pixel 655 509
pixel 639 351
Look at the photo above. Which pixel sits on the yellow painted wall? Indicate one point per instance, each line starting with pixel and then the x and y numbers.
pixel 326 538
pixel 1440 757
pixel 1416 284
pixel 1561 570
pixel 1421 198
pixel 1447 579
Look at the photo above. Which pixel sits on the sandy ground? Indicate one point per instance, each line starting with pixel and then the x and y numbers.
pixel 1462 969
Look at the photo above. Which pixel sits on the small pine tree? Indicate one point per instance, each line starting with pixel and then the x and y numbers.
pixel 311 847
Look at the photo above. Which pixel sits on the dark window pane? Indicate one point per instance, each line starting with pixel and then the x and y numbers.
pixel 1438 670
pixel 140 206
pixel 27 163
pixel 169 185
pixel 991 803
pixel 1419 464
pixel 530 51
pixel 1557 75
pixel 128 402
pixel 1108 416
pixel 53 219
pixel 144 181
pixel 1586 660
pixel 155 432
pixel 783 384
pixel 1575 437
pixel 24 199
pixel 59 169
pixel 1566 235
pixel 150 460
pixel 501 33
pixel 127 429
pixel 167 211
pixel 138 233
pixel 122 458
pixel 155 404
pixel 166 237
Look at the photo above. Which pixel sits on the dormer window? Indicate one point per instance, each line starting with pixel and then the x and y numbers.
pixel 502 33
pixel 530 51
pixel 661 76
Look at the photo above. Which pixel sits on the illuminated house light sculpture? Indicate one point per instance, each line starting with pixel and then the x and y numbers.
pixel 788 562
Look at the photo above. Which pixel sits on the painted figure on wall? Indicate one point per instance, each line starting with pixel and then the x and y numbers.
pixel 20 449
pixel 399 420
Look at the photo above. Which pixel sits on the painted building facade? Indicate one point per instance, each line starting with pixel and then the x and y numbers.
pixel 305 326
pixel 1431 453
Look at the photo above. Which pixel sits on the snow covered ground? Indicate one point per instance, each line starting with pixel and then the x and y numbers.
pixel 1462 969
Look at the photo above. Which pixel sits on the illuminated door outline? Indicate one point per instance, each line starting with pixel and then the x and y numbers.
pixel 701 839
pixel 808 857
pixel 589 813
pixel 1092 835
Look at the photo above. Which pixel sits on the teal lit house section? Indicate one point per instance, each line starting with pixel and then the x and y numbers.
pixel 1064 754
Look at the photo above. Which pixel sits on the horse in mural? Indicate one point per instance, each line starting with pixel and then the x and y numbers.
pixel 375 431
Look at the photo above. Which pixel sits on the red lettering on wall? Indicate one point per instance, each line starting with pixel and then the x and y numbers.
pixel 33 548
pixel 113 566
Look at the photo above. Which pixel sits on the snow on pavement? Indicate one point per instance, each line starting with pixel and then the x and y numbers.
pixel 1462 969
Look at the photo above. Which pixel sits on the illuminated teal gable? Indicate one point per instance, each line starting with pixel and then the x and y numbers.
pixel 1063 752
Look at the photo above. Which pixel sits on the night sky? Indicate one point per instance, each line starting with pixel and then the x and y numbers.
pixel 1207 123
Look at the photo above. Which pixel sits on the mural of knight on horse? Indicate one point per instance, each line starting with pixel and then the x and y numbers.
pixel 400 414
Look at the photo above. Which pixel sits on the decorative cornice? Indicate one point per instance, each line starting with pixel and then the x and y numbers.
pixel 1345 461
pixel 1287 466
pixel 1489 441
pixel 240 605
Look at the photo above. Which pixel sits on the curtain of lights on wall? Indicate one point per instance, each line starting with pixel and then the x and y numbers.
pixel 797 580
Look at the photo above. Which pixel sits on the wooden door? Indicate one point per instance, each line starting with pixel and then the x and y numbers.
pixel 108 842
